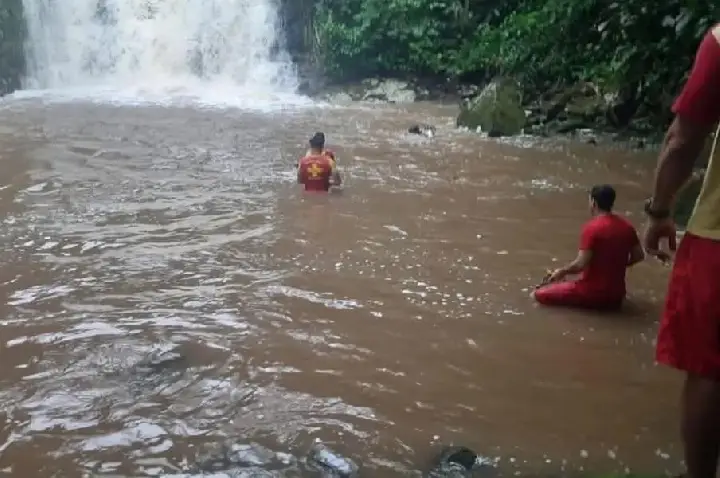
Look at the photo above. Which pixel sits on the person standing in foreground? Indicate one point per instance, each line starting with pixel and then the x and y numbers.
pixel 317 170
pixel 609 245
pixel 689 335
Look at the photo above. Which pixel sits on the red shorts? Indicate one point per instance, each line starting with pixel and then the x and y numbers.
pixel 689 336
pixel 572 294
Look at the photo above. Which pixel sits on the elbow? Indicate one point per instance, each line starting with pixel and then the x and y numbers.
pixel 685 141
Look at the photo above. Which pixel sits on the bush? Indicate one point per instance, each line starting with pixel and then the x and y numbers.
pixel 640 49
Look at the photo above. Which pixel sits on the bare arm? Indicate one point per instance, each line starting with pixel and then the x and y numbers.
pixel 696 109
pixel 335 174
pixel 682 145
pixel 576 266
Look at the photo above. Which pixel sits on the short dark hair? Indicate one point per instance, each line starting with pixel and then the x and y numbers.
pixel 604 197
pixel 318 140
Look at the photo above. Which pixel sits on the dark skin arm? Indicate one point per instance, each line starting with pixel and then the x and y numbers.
pixel 336 179
pixel 575 267
pixel 682 145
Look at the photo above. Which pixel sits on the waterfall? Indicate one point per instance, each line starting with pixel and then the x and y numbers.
pixel 167 44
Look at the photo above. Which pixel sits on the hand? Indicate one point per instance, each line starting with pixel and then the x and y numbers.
pixel 556 275
pixel 656 232
pixel 553 276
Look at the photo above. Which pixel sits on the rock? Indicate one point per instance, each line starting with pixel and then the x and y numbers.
pixel 468 91
pixel 460 462
pixel 12 46
pixel 392 91
pixel 497 110
pixel 372 90
pixel 423 130
pixel 339 98
pixel 229 457
pixel 330 462
pixel 580 106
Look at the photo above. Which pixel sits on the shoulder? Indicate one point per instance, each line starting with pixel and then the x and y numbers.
pixel 709 49
pixel 622 225
pixel 623 221
pixel 699 99
pixel 593 224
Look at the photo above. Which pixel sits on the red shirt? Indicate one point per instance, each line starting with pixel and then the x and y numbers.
pixel 315 172
pixel 699 100
pixel 611 239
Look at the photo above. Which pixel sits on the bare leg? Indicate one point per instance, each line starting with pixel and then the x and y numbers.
pixel 701 426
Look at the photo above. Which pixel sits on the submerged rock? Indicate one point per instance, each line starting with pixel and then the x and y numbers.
pixel 497 110
pixel 460 462
pixel 423 130
pixel 333 464
pixel 249 459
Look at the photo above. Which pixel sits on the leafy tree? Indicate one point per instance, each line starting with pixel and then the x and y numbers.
pixel 640 50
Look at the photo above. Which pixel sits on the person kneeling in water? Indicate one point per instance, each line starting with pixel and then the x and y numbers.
pixel 609 245
pixel 317 171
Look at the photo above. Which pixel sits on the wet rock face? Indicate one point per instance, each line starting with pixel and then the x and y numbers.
pixel 585 106
pixel 12 55
pixel 497 110
pixel 374 90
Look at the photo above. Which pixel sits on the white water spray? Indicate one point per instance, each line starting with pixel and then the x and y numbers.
pixel 177 47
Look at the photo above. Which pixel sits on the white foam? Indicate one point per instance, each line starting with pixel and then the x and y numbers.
pixel 213 53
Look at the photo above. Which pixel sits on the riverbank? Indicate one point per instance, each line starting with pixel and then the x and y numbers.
pixel 502 108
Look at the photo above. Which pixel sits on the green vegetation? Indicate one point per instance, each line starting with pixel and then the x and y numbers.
pixel 639 51
pixel 12 34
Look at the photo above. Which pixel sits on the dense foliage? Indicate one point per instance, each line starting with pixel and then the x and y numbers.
pixel 12 59
pixel 642 49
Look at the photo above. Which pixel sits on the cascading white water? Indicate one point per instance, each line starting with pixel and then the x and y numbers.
pixel 156 44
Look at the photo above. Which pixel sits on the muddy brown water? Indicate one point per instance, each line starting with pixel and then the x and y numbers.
pixel 386 321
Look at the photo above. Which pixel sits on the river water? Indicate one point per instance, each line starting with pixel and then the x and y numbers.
pixel 167 289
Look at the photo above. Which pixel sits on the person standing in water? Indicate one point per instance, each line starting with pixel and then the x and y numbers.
pixel 609 245
pixel 317 170
pixel 330 153
pixel 689 335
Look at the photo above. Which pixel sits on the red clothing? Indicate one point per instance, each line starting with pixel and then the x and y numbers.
pixel 689 336
pixel 611 239
pixel 699 100
pixel 315 172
